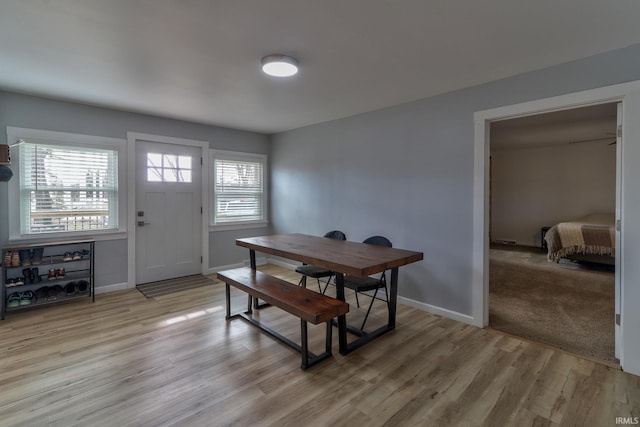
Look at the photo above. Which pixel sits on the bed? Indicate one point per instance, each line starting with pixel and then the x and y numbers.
pixel 590 238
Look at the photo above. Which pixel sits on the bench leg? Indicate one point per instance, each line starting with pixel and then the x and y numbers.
pixel 305 344
pixel 308 358
pixel 329 340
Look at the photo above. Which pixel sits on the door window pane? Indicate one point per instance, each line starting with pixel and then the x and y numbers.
pixel 168 168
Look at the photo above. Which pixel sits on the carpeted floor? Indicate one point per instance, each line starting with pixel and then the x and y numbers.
pixel 566 305
pixel 163 287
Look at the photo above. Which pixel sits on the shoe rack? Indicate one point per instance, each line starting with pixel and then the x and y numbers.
pixel 39 274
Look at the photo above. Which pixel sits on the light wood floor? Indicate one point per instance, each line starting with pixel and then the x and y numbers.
pixel 174 360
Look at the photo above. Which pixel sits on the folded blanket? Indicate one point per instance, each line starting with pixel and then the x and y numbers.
pixel 591 235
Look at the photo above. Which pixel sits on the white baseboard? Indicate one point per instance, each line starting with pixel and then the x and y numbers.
pixel 244 263
pixel 112 288
pixel 214 270
pixel 281 263
pixel 259 261
pixel 450 314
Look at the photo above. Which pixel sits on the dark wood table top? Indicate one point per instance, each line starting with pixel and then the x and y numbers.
pixel 343 256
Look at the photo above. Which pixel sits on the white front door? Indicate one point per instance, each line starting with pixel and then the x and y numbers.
pixel 168 214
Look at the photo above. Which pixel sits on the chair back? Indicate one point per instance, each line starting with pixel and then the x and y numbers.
pixel 336 234
pixel 378 240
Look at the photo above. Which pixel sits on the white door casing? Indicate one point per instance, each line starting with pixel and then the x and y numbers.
pixel 627 204
pixel 618 243
pixel 168 211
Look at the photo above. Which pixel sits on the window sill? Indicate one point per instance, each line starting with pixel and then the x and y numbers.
pixel 238 226
pixel 51 237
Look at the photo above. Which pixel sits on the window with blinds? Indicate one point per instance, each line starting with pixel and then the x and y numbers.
pixel 66 188
pixel 238 189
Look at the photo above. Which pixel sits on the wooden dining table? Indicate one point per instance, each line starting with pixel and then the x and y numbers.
pixel 342 257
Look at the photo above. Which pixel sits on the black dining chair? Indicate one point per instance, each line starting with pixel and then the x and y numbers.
pixel 365 284
pixel 319 272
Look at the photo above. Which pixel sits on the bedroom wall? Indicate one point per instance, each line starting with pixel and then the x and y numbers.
pixel 24 111
pixel 536 187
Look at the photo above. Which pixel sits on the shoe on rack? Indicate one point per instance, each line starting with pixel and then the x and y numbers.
pixel 60 274
pixel 70 289
pixel 83 286
pixel 53 292
pixel 36 256
pixel 12 282
pixel 52 274
pixel 15 259
pixel 13 300
pixel 26 298
pixel 68 256
pixel 25 257
pixel 18 281
pixel 6 261
pixel 76 256
pixel 34 275
pixel 86 254
pixel 26 273
pixel 41 294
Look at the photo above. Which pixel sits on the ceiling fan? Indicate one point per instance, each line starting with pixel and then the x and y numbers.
pixel 610 139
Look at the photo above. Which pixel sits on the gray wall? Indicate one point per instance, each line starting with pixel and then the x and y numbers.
pixel 541 186
pixel 18 110
pixel 407 172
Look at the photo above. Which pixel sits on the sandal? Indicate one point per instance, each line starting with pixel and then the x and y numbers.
pixel 26 298
pixel 14 300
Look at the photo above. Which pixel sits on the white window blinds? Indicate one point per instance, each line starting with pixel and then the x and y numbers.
pixel 67 188
pixel 238 190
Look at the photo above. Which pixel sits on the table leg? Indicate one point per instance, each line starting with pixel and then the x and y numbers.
pixel 365 337
pixel 227 292
pixel 342 320
pixel 252 258
pixel 393 298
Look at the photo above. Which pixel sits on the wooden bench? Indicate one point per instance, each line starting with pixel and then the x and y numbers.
pixel 306 304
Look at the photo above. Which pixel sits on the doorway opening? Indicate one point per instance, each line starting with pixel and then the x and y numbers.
pixel 548 170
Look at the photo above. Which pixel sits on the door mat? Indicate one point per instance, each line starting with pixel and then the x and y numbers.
pixel 169 286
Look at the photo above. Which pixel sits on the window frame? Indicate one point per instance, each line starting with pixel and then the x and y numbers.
pixel 237 156
pixel 70 140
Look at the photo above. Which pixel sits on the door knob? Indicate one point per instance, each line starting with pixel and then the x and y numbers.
pixel 143 223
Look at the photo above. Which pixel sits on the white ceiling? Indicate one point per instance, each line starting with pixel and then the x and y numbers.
pixel 199 60
pixel 595 124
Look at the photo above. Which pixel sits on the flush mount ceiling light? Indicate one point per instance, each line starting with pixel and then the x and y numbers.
pixel 279 65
